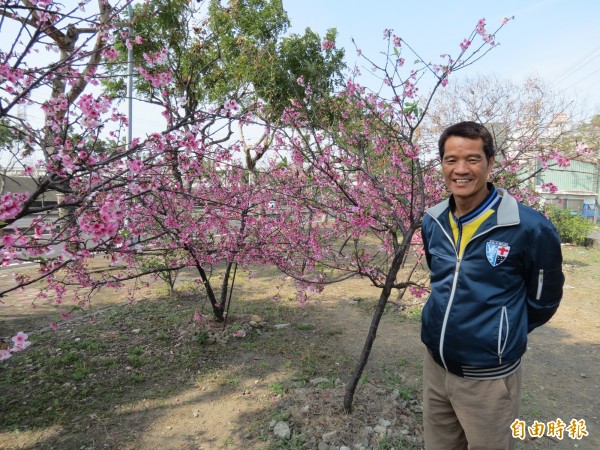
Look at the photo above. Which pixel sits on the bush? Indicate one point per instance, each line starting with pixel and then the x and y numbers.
pixel 572 228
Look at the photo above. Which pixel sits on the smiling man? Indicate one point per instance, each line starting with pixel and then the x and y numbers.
pixel 496 274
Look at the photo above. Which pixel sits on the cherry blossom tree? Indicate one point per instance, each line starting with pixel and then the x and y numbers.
pixel 181 195
pixel 370 171
pixel 234 57
pixel 84 157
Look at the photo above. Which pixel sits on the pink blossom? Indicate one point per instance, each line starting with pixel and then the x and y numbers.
pixel 136 166
pixel 4 354
pixel 239 333
pixel 464 45
pixel 157 58
pixel 110 53
pixel 327 45
pixel 11 204
pixel 20 342
pixel 231 105
pixel 549 187
pixel 8 240
pixel 418 292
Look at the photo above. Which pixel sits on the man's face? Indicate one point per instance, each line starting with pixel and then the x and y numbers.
pixel 466 169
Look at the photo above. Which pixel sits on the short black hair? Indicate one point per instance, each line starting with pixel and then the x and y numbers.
pixel 469 130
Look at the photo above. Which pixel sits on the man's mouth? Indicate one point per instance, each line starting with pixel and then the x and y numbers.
pixel 462 181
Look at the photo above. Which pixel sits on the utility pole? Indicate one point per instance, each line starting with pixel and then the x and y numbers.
pixel 130 79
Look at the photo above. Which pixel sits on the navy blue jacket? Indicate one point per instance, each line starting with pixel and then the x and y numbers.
pixel 508 282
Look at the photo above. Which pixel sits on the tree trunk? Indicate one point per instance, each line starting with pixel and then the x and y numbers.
pixel 216 307
pixel 364 357
pixel 383 299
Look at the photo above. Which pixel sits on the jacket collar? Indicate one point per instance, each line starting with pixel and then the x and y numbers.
pixel 506 214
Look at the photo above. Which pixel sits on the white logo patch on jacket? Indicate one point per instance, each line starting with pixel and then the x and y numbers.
pixel 496 252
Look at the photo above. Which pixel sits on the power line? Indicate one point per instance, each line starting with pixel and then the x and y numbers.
pixel 576 67
pixel 583 79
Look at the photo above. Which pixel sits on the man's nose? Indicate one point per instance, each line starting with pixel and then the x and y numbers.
pixel 461 166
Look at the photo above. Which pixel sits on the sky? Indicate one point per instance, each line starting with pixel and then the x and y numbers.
pixel 555 40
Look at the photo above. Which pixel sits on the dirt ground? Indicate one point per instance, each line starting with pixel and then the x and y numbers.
pixel 561 372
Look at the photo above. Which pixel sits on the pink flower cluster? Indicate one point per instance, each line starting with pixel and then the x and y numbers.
pixel 42 3
pixel 481 31
pixel 231 105
pixel 156 80
pixel 92 109
pixel 327 45
pixel 9 252
pixel 549 187
pixel 110 53
pixel 10 74
pixel 157 58
pixel 11 204
pixel 136 166
pixel 20 343
pixel 104 223
pixel 562 160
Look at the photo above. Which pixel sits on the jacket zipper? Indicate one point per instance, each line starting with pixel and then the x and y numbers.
pixel 452 293
pixel 538 295
pixel 447 313
pixel 503 321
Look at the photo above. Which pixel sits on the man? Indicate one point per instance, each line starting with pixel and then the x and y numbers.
pixel 496 274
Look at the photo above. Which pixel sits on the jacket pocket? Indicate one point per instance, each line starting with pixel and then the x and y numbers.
pixel 503 332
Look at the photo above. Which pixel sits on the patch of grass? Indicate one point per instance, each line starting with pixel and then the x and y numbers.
pixel 276 388
pixel 315 360
pixel 402 362
pixel 407 392
pixel 387 443
pixel 295 442
pixel 81 373
pixel 393 379
pixel 412 312
pixel 281 416
pixel 201 337
pixel 335 331
pixel 161 336
pixel 137 377
pixel 136 361
pixel 304 326
pixel 60 379
pixel 137 351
